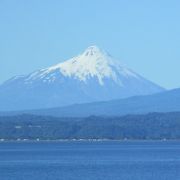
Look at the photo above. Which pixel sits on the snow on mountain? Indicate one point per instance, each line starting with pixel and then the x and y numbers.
pixel 94 62
pixel 93 75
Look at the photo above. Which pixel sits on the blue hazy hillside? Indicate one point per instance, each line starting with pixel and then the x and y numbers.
pixel 162 102
pixel 168 101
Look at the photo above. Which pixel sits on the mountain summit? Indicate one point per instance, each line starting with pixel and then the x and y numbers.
pixel 92 63
pixel 91 76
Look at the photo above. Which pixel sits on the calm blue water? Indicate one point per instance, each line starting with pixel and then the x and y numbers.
pixel 90 161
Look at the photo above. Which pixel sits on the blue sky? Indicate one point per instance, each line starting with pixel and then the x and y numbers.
pixel 144 34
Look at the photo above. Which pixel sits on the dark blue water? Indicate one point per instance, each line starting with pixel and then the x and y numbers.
pixel 90 161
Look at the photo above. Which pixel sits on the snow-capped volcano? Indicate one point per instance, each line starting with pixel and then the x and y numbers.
pixel 93 75
pixel 94 62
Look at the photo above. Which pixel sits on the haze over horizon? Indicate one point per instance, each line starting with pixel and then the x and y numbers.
pixel 38 34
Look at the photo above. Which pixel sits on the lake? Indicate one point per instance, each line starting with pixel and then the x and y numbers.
pixel 106 160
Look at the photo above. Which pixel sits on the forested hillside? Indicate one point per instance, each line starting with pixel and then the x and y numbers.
pixel 150 126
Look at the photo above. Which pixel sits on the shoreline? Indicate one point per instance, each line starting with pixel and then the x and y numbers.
pixel 90 140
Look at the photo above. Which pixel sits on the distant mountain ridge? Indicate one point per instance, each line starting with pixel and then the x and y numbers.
pixel 168 101
pixel 91 76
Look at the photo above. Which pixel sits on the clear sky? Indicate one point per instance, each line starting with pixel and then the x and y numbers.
pixel 144 34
